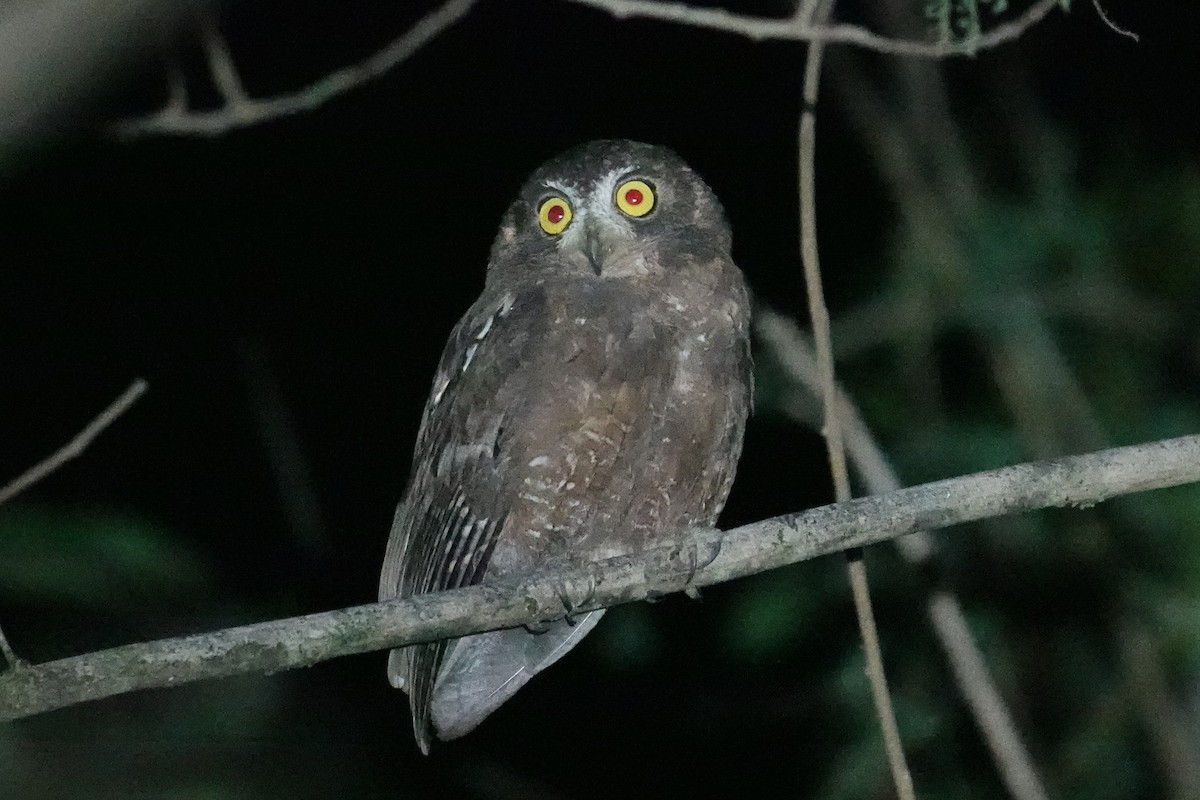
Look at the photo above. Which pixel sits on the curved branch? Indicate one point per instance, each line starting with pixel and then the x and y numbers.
pixel 701 557
pixel 795 28
pixel 241 111
pixel 75 447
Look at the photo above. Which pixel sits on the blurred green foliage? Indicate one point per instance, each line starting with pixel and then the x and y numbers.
pixel 1032 298
pixel 89 558
pixel 1046 324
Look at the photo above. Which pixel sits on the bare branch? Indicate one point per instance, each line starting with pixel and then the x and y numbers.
pixel 974 680
pixel 252 111
pixel 1112 25
pixel 76 446
pixel 6 652
pixel 971 674
pixel 303 641
pixel 220 63
pixel 795 29
pixel 815 13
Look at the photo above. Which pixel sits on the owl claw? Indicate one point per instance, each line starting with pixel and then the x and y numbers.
pixel 570 606
pixel 694 565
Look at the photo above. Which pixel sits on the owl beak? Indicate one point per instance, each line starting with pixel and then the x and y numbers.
pixel 598 244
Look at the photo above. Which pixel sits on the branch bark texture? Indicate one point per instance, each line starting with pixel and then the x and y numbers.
pixel 797 29
pixel 700 557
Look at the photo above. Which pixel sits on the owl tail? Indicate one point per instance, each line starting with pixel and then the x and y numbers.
pixel 480 672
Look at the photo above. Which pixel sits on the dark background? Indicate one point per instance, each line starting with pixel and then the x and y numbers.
pixel 286 290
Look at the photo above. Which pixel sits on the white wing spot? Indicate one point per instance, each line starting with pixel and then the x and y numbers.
pixel 540 461
pixel 443 385
pixel 470 355
pixel 487 326
pixel 533 498
pixel 599 439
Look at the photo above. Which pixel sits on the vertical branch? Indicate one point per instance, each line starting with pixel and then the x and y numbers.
pixel 817 12
pixel 971 674
pixel 177 93
pixel 6 652
pixel 220 62
pixel 280 437
pixel 832 428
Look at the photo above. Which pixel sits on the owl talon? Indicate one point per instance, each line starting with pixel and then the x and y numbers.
pixel 538 628
pixel 694 566
pixel 569 606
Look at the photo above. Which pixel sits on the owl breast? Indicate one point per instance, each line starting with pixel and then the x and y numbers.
pixel 630 423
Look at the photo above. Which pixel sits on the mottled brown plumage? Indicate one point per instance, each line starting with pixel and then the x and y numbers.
pixel 591 401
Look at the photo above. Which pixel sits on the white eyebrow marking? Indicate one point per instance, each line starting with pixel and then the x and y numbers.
pixel 569 191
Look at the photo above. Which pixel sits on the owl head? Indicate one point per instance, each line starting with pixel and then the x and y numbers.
pixel 610 209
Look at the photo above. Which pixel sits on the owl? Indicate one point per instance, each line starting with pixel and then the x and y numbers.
pixel 590 403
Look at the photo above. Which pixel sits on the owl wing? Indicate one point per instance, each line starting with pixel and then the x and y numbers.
pixel 446 526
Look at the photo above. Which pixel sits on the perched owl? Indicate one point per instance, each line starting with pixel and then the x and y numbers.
pixel 590 402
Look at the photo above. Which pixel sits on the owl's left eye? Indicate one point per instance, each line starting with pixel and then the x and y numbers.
pixel 635 198
pixel 554 215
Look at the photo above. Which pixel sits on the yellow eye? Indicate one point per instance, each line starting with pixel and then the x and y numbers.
pixel 554 215
pixel 635 198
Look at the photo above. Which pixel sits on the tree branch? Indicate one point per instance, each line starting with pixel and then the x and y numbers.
pixel 795 29
pixel 76 446
pixel 241 111
pixel 815 13
pixel 699 558
pixel 784 341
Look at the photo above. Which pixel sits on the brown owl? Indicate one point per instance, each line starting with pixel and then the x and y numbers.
pixel 590 402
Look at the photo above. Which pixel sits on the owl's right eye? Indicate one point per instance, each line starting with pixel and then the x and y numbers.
pixel 554 215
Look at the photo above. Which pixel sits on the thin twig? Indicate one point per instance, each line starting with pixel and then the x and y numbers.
pixel 7 653
pixel 302 641
pixel 794 29
pixel 177 93
pixel 220 63
pixel 290 467
pixel 831 429
pixel 253 111
pixel 815 13
pixel 983 698
pixel 1013 761
pixel 1112 25
pixel 76 446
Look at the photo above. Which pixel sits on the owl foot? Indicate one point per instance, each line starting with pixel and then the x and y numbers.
pixel 694 564
pixel 571 606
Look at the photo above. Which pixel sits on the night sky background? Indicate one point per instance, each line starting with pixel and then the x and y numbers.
pixel 286 290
